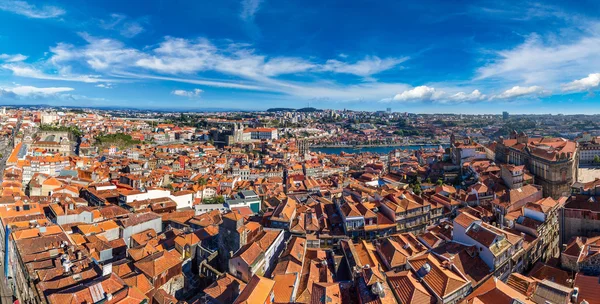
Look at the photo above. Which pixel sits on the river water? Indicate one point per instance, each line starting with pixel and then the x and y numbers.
pixel 378 150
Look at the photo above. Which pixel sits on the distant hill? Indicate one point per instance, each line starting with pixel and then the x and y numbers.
pixel 281 110
pixel 302 110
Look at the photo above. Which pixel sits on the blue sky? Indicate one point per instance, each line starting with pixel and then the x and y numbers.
pixel 425 57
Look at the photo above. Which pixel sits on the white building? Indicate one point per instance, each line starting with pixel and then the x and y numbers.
pixel 184 199
pixel 261 133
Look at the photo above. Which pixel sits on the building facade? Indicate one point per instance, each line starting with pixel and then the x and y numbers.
pixel 552 161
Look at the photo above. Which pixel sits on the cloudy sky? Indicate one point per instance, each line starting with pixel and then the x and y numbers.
pixel 416 56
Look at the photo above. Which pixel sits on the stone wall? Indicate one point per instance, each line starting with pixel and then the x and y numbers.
pixel 571 227
pixel 174 285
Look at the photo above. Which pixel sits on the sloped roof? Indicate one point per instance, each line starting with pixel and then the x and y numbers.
pixel 408 289
pixel 257 291
pixel 157 263
pixel 225 289
pixel 441 280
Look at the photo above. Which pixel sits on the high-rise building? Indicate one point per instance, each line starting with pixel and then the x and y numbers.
pixel 505 115
pixel 389 110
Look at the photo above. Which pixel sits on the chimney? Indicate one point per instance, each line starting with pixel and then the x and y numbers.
pixel 447 264
pixel 66 263
pixel 67 266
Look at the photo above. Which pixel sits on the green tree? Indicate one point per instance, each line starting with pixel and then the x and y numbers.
pixel 416 187
pixel 596 159
pixel 215 200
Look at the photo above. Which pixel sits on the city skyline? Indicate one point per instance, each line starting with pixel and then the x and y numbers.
pixel 471 57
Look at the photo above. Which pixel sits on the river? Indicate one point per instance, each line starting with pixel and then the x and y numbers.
pixel 378 150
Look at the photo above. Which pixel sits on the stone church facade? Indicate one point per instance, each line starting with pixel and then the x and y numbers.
pixel 553 161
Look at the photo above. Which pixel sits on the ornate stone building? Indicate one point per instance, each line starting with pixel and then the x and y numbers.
pixel 54 142
pixel 238 132
pixel 303 147
pixel 553 161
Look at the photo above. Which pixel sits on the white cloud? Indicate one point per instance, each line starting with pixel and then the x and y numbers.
pixel 206 82
pixel 426 93
pixel 591 82
pixel 249 9
pixel 29 71
pixel 104 85
pixel 521 11
pixel 31 90
pixel 549 63
pixel 420 93
pixel 177 56
pixel 99 53
pixel 476 95
pixel 131 29
pixel 190 94
pixel 237 65
pixel 102 53
pixel 12 58
pixel 368 66
pixel 118 22
pixel 518 91
pixel 322 90
pixel 31 11
pixel 112 22
pixel 285 65
pixel 24 71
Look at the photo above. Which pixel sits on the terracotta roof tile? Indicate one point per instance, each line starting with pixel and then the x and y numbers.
pixel 225 289
pixel 589 288
pixel 443 281
pixel 257 291
pixel 284 287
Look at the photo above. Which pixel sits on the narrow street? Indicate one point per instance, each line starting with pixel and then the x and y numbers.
pixel 6 294
pixel 8 149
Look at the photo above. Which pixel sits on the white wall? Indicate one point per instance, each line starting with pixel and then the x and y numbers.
pixel 183 201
